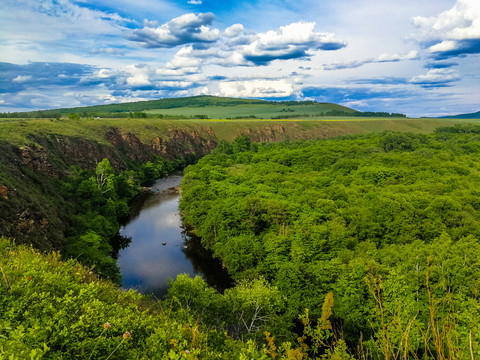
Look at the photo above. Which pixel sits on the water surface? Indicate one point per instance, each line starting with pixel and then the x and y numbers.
pixel 160 247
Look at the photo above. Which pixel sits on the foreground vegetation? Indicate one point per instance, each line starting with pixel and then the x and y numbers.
pixel 55 310
pixel 50 309
pixel 387 223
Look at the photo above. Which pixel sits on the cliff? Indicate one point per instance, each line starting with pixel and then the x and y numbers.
pixel 30 174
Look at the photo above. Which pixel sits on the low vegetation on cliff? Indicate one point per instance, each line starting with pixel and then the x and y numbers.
pixel 61 310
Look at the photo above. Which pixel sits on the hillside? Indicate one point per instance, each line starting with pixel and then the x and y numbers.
pixel 200 105
pixel 475 115
pixel 194 105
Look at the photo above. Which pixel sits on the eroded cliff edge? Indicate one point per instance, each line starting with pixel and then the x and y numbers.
pixel 31 174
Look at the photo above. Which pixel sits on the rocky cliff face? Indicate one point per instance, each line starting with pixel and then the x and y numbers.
pixel 121 148
pixel 29 191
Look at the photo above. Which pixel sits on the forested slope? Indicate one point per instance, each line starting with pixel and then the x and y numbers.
pixel 387 223
pixel 182 106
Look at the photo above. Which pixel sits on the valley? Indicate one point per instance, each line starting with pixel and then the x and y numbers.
pixel 320 220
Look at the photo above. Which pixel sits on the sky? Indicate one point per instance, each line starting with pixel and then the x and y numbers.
pixel 417 57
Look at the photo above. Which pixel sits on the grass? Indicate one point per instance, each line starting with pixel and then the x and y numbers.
pixel 264 111
pixel 22 131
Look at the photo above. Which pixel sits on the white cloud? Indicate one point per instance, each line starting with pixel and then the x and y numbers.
pixel 411 55
pixel 234 30
pixel 185 29
pixel 185 57
pixel 138 76
pixel 235 47
pixel 453 32
pixel 103 74
pixel 195 2
pixel 107 51
pixel 383 58
pixel 256 88
pixel 436 78
pixel 21 78
pixel 296 40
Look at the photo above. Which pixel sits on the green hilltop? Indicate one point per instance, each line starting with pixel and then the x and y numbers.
pixel 475 115
pixel 205 106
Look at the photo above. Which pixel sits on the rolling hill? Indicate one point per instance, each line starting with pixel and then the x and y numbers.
pixel 201 106
pixel 475 115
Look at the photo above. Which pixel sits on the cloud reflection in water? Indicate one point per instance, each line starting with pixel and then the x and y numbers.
pixel 147 264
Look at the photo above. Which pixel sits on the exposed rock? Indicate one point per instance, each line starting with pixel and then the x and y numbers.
pixel 33 226
pixel 181 142
pixel 269 133
pixel 36 158
pixel 129 145
pixel 159 145
pixel 210 131
pixel 78 151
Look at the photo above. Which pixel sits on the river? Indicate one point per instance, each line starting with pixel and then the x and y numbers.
pixel 160 248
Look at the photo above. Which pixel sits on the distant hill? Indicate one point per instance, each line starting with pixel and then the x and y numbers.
pixel 206 106
pixel 475 115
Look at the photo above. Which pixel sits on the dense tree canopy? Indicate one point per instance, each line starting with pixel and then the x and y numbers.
pixel 387 223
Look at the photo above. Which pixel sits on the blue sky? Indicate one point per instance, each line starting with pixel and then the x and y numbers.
pixel 421 58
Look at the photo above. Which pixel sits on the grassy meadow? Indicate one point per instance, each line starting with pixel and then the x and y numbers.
pixel 264 111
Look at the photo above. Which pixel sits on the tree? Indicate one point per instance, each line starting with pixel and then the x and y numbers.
pixel 103 172
pixel 253 306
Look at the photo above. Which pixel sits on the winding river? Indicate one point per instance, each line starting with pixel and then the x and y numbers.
pixel 160 248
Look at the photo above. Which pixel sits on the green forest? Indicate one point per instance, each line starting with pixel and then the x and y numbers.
pixel 386 223
pixel 353 247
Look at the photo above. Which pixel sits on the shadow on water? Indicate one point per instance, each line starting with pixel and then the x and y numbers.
pixel 119 242
pixel 153 246
pixel 203 263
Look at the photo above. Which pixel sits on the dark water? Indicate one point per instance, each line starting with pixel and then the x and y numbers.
pixel 160 248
